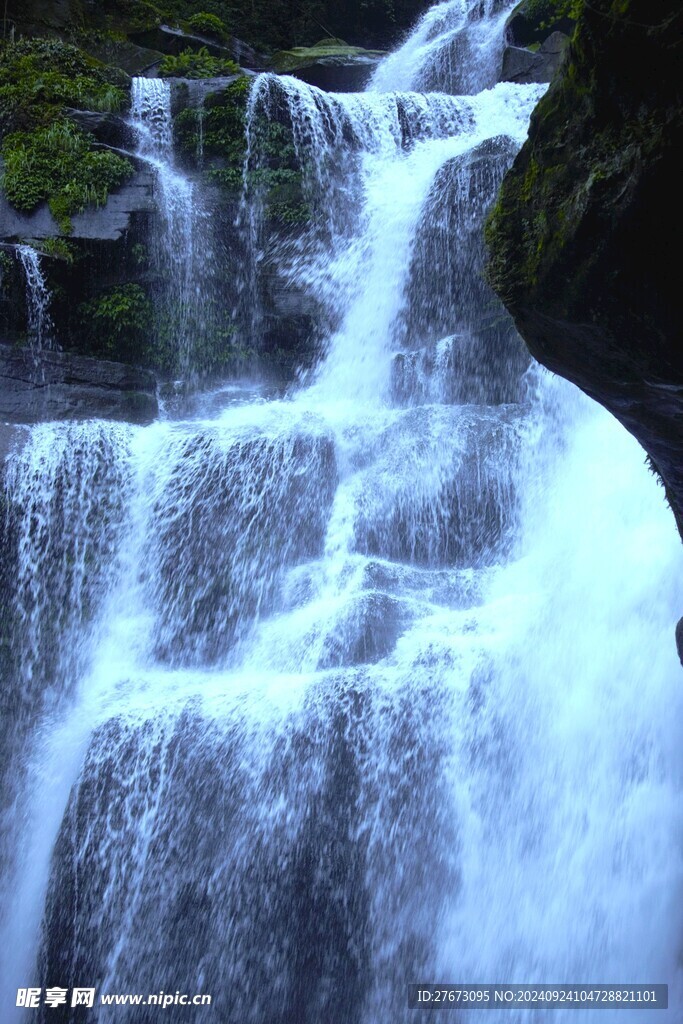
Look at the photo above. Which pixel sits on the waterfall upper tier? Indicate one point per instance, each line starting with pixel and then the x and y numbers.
pixel 456 48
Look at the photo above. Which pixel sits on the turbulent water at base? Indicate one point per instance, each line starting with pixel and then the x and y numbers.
pixel 40 326
pixel 372 684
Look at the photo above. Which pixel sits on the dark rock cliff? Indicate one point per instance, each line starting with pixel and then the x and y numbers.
pixel 584 235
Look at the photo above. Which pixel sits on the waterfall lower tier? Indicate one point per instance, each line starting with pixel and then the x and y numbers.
pixel 336 699
pixel 311 697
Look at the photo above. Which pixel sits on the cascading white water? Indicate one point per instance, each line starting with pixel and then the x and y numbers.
pixel 378 683
pixel 64 497
pixel 453 49
pixel 179 238
pixel 38 298
pixel 364 150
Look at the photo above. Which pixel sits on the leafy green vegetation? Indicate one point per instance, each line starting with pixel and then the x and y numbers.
pixel 47 158
pixel 208 25
pixel 139 254
pixel 56 164
pixel 58 248
pixel 268 25
pixel 118 322
pixel 545 14
pixel 126 323
pixel 197 64
pixel 279 181
pixel 38 77
pixel 549 11
pixel 223 128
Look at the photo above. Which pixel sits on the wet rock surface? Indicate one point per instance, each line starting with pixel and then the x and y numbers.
pixel 582 235
pixel 331 64
pixel 521 65
pixel 107 223
pixel 60 386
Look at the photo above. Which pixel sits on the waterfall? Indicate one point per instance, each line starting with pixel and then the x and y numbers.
pixel 201 116
pixel 369 684
pixel 179 239
pixel 63 501
pixel 40 327
pixel 453 49
pixel 355 152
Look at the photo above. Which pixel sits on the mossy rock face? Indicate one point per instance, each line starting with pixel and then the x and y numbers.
pixel 46 157
pixel 532 21
pixel 121 53
pixel 57 165
pixel 221 121
pixel 585 227
pixel 208 25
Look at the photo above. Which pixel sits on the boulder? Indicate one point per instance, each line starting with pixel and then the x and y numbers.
pixel 523 66
pixel 36 387
pixel 109 129
pixel 331 64
pixel 121 53
pixel 246 56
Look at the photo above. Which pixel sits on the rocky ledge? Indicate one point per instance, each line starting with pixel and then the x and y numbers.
pixel 584 234
pixel 61 386
pixel 331 64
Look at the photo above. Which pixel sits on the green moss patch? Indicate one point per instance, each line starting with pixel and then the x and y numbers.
pixel 208 25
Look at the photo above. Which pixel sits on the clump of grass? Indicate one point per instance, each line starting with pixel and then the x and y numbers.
pixel 39 77
pixel 197 64
pixel 46 157
pixel 56 164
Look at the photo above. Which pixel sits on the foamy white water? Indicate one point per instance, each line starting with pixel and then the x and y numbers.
pixel 372 684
